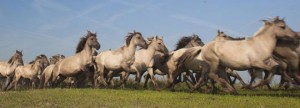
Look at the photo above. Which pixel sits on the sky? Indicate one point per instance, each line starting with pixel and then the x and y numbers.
pixel 55 26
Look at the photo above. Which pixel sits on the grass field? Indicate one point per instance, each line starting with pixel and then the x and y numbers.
pixel 147 98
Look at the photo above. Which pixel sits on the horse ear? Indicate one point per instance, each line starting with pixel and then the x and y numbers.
pixel 218 31
pixel 89 32
pixel 266 22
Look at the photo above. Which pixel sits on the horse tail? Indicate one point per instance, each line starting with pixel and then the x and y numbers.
pixel 188 56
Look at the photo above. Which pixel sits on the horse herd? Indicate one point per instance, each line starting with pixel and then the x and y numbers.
pixel 273 49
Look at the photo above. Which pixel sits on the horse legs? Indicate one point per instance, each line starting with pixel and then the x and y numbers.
pixel 150 71
pixel 147 77
pixel 15 81
pixel 102 72
pixel 7 84
pixel 237 76
pixel 59 80
pixel 213 74
pixel 269 75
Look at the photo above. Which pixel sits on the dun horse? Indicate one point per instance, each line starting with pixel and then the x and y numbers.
pixel 31 70
pixel 168 65
pixel 47 73
pixel 121 59
pixel 144 59
pixel 7 69
pixel 255 52
pixel 74 65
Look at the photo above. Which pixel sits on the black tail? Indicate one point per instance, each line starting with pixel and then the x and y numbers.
pixel 187 56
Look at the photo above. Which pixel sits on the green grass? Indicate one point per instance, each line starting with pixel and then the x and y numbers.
pixel 147 98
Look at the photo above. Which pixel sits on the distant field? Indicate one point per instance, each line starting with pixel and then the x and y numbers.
pixel 147 98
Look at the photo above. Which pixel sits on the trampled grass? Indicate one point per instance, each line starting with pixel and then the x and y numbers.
pixel 147 98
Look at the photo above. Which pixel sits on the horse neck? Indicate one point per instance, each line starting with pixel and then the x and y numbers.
pixel 151 50
pixel 266 39
pixel 86 53
pixel 36 67
pixel 129 51
pixel 13 64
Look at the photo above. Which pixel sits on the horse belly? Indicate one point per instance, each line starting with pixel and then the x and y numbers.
pixel 238 63
pixel 69 70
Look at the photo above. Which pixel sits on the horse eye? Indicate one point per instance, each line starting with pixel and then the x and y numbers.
pixel 139 37
pixel 282 27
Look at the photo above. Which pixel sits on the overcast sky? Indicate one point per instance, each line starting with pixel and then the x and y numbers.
pixel 55 26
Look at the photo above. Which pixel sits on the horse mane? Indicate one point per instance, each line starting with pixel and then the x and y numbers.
pixel 183 41
pixel 31 62
pixel 237 38
pixel 129 37
pixel 187 56
pixel 268 21
pixel 80 45
pixel 10 60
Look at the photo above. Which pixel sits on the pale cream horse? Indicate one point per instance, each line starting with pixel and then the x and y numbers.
pixel 221 36
pixel 255 52
pixel 47 73
pixel 144 59
pixel 7 68
pixel 166 64
pixel 78 63
pixel 121 59
pixel 289 52
pixel 30 71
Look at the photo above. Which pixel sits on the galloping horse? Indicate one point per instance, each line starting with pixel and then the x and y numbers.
pixel 221 36
pixel 31 70
pixel 167 65
pixel 47 73
pixel 7 69
pixel 121 59
pixel 74 65
pixel 144 59
pixel 255 52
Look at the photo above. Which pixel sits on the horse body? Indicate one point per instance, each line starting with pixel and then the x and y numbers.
pixel 7 69
pixel 71 66
pixel 169 65
pixel 30 71
pixel 255 52
pixel 144 59
pixel 47 73
pixel 120 59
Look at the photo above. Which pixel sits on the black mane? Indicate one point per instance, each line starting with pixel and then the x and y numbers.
pixel 183 42
pixel 129 37
pixel 82 41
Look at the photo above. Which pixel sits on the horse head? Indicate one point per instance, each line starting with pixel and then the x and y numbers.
pixel 136 38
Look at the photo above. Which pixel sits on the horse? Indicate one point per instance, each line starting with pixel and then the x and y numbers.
pixel 255 52
pixel 221 36
pixel 144 59
pixel 121 59
pixel 288 51
pixel 30 71
pixel 78 63
pixel 47 73
pixel 7 68
pixel 166 64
